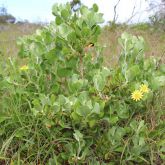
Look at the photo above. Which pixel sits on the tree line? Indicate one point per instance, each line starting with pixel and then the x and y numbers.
pixel 5 17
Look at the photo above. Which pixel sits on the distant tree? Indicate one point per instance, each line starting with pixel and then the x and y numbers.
pixel 158 6
pixel 113 23
pixel 158 18
pixel 5 17
pixel 3 11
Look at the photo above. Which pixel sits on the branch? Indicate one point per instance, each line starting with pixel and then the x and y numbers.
pixel 133 14
pixel 115 14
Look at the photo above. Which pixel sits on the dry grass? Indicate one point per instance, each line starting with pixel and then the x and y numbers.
pixel 155 42
pixel 9 33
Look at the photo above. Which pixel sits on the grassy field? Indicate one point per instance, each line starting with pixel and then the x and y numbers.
pixel 154 41
pixel 109 39
pixel 9 33
pixel 28 138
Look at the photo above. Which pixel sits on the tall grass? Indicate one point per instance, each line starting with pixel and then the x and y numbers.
pixel 9 34
pixel 154 41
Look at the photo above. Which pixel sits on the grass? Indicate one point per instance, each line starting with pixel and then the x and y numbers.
pixel 154 41
pixel 109 38
pixel 9 33
pixel 22 123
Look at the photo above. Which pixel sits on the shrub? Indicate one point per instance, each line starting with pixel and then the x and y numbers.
pixel 7 19
pixel 64 107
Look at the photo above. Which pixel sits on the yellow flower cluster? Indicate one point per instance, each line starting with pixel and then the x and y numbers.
pixel 138 94
pixel 144 88
pixel 24 68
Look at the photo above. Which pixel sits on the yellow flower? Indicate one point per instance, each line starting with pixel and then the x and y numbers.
pixel 137 95
pixel 24 68
pixel 144 88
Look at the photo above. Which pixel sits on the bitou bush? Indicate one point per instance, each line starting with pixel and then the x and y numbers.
pixel 63 106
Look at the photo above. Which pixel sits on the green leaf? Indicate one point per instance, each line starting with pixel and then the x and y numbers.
pixel 96 32
pixel 99 82
pixel 120 132
pixel 162 68
pixel 72 62
pixel 92 123
pixel 21 133
pixel 71 37
pixel 64 72
pixel 84 97
pixel 62 99
pixel 98 18
pixel 133 72
pixel 86 31
pixel 56 107
pixel 65 14
pixel 83 111
pixel 140 127
pixel 53 160
pixel 96 108
pixel 95 7
pixel 133 125
pixel 116 133
pixel 55 9
pixel 113 119
pixel 76 86
pixel 78 135
pixel 44 100
pixel 123 112
pixel 157 81
pixel 105 72
pixel 75 116
pixel 55 88
pixel 64 30
pixel 59 20
pixel 84 10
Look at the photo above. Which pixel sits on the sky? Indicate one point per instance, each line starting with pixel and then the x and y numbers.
pixel 40 10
